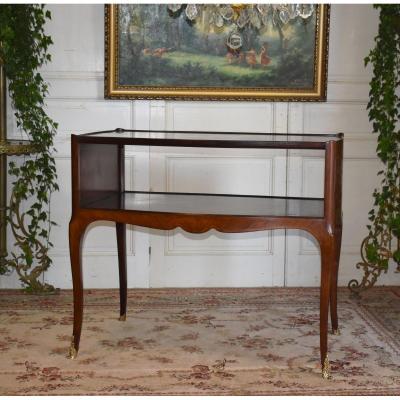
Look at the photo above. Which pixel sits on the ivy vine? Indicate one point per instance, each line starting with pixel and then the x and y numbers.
pixel 23 50
pixel 384 113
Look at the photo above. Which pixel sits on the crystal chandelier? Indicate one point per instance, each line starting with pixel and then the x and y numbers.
pixel 237 16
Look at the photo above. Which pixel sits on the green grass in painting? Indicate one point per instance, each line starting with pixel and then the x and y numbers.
pixel 180 58
pixel 180 68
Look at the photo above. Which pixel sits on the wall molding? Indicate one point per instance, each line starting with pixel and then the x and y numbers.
pixel 172 249
pixel 62 84
pixel 169 173
pixel 99 75
pixel 68 75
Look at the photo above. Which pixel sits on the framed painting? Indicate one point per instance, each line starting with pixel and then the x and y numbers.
pixel 256 52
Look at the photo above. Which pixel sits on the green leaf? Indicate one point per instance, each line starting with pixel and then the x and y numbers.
pixel 372 253
pixel 25 48
pixel 384 113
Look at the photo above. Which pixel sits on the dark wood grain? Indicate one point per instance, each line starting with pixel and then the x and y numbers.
pixel 98 193
pixel 205 139
pixel 204 203
pixel 123 281
pixel 121 236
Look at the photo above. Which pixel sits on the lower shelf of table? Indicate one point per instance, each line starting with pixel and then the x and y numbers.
pixel 207 204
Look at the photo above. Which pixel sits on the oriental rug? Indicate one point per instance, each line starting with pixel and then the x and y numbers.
pixel 261 341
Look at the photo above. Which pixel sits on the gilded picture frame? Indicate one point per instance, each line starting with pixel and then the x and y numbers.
pixel 134 69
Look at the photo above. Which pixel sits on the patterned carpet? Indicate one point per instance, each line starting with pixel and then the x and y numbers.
pixel 199 342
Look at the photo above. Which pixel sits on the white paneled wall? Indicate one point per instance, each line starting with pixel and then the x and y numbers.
pixel 212 259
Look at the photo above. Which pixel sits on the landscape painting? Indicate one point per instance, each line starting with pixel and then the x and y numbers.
pixel 152 52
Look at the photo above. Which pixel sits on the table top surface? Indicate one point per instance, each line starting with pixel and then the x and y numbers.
pixel 204 203
pixel 210 139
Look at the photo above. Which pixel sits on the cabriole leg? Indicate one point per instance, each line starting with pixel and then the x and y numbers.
pixel 327 263
pixel 121 242
pixel 76 230
pixel 334 282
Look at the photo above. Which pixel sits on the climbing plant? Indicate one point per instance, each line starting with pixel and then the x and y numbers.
pixel 23 50
pixel 382 243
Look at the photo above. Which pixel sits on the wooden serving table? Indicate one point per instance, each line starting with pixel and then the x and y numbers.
pixel 98 193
